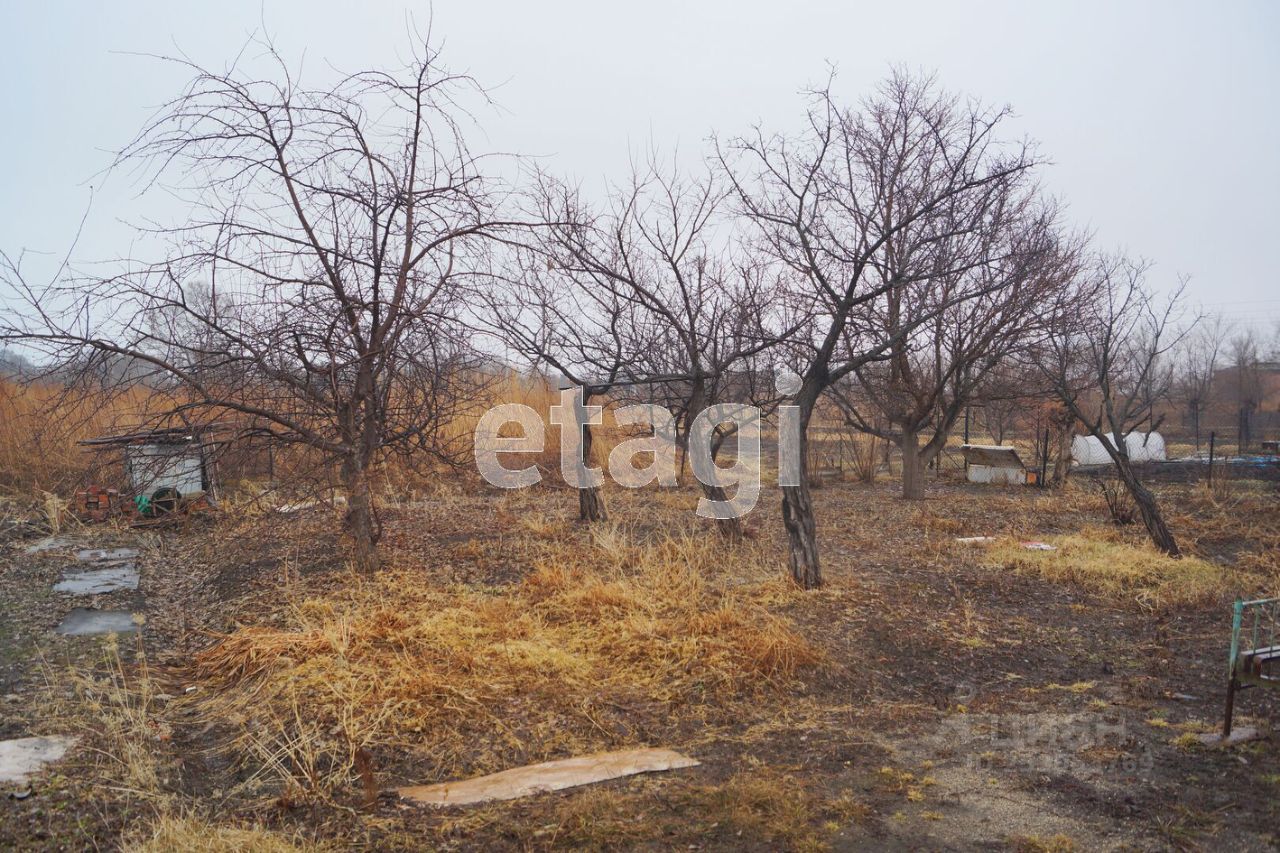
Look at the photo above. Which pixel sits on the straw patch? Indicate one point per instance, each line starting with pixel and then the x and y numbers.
pixel 189 833
pixel 1119 570
pixel 399 660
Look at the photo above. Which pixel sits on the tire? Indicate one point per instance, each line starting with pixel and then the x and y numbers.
pixel 164 501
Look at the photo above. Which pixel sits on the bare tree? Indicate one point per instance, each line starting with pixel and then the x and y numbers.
pixel 982 284
pixel 660 281
pixel 1245 385
pixel 556 322
pixel 1003 398
pixel 1198 361
pixel 828 207
pixel 1107 356
pixel 313 293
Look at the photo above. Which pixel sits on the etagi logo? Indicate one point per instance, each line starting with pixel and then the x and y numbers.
pixel 571 415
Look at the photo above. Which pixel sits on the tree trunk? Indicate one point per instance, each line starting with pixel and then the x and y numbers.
pixel 797 517
pixel 1145 500
pixel 360 522
pixel 1062 464
pixel 590 501
pixel 802 537
pixel 912 469
pixel 1245 436
pixel 730 528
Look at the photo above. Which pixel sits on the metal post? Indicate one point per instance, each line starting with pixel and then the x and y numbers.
pixel 1237 616
pixel 1044 459
pixel 1212 438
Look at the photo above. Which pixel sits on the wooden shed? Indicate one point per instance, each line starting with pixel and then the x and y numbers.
pixel 989 463
pixel 169 465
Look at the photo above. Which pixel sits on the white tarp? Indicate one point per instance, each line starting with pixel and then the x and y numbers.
pixel 1142 447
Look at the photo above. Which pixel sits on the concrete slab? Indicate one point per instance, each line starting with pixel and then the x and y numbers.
pixel 86 621
pixel 106 555
pixel 99 581
pixel 1239 734
pixel 24 757
pixel 51 543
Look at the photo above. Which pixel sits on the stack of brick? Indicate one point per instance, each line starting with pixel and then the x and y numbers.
pixel 96 503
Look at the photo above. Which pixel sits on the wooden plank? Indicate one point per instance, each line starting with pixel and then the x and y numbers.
pixel 548 776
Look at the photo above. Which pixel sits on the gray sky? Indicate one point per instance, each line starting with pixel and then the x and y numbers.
pixel 1162 118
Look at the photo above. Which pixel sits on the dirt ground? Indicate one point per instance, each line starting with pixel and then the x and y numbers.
pixel 956 702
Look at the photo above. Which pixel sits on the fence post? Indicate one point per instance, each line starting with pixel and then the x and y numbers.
pixel 1212 436
pixel 1044 459
pixel 1237 618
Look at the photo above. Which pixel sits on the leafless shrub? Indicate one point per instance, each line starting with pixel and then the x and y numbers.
pixel 1119 502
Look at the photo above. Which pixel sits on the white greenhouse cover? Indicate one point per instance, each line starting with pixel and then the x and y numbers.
pixel 1142 447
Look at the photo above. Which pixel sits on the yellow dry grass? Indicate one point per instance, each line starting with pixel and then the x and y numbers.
pixel 189 834
pixel 109 704
pixel 1098 561
pixel 469 675
pixel 39 428
pixel 40 425
pixel 763 805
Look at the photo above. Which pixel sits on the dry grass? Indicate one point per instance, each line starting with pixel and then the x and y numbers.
pixel 1097 560
pixel 115 714
pixel 1244 526
pixel 39 428
pixel 762 804
pixel 472 675
pixel 172 833
pixel 118 713
pixel 771 807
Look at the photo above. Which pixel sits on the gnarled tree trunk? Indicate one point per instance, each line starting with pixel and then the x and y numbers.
pixel 802 537
pixel 1147 508
pixel 730 528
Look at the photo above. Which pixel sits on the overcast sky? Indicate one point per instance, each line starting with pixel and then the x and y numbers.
pixel 1161 118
